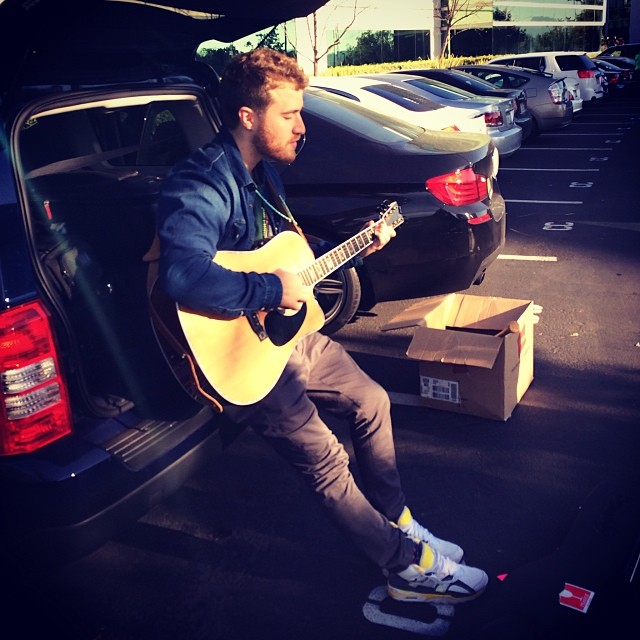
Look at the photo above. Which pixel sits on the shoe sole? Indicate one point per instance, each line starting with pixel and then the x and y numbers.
pixel 412 596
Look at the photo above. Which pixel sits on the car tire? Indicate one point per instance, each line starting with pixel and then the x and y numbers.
pixel 339 297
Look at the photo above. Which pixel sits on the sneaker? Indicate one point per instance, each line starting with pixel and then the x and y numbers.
pixel 437 578
pixel 412 529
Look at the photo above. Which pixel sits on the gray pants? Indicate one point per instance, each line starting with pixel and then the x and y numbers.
pixel 321 374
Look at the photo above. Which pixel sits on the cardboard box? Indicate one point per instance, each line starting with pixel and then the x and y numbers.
pixel 475 353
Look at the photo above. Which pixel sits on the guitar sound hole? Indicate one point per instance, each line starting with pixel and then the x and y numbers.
pixel 281 328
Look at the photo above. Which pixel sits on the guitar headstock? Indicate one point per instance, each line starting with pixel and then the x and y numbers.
pixel 391 214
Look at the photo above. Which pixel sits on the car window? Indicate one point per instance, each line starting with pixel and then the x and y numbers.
pixel 350 115
pixel 573 62
pixel 533 62
pixel 404 97
pixel 440 91
pixel 496 79
pixel 117 133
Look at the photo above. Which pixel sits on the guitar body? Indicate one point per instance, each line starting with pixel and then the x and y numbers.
pixel 236 362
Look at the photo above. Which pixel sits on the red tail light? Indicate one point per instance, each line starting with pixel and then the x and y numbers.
pixel 459 188
pixel 586 73
pixel 493 119
pixel 34 402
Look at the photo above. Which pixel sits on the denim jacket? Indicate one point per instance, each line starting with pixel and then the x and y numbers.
pixel 207 204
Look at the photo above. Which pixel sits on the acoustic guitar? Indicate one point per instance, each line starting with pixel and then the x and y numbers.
pixel 242 358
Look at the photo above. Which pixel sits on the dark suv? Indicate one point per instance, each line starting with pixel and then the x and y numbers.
pixel 95 425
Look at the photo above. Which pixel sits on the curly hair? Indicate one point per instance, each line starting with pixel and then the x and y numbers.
pixel 248 78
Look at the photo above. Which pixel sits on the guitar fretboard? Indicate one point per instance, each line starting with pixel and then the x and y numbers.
pixel 335 258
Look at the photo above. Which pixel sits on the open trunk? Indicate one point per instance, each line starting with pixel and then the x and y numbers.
pixel 92 168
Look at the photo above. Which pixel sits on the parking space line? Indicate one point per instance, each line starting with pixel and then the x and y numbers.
pixel 547 201
pixel 506 256
pixel 565 149
pixel 503 168
pixel 580 135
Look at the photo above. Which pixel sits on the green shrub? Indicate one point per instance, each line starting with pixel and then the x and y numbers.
pixel 405 65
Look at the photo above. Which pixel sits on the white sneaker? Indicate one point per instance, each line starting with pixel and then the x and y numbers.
pixel 413 529
pixel 443 580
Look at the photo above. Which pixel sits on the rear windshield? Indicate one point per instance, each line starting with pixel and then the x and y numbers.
pixel 404 97
pixel 574 63
pixel 351 115
pixel 440 90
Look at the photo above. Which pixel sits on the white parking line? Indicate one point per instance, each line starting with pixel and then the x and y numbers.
pixel 503 168
pixel 565 149
pixel 547 201
pixel 627 226
pixel 506 256
pixel 559 133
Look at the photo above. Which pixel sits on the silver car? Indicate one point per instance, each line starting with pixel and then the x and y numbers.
pixel 547 96
pixel 498 112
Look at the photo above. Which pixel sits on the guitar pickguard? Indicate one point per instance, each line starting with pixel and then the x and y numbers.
pixel 282 327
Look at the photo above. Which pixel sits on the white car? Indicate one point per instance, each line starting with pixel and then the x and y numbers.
pixel 576 65
pixel 402 103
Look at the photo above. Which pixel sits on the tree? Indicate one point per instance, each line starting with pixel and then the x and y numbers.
pixel 370 48
pixel 454 13
pixel 217 58
pixel 316 36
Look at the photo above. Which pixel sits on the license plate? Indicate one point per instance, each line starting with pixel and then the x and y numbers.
pixel 509 117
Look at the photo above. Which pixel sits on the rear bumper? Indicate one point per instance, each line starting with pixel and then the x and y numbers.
pixel 508 141
pixel 55 522
pixel 553 116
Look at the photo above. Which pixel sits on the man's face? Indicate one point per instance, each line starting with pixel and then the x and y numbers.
pixel 279 127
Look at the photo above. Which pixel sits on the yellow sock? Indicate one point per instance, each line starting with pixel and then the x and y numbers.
pixel 405 518
pixel 426 558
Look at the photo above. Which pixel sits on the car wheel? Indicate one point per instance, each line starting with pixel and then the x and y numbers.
pixel 339 297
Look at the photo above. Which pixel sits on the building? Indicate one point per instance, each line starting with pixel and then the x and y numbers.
pixel 396 30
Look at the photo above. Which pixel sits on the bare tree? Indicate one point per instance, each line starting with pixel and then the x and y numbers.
pixel 453 13
pixel 317 36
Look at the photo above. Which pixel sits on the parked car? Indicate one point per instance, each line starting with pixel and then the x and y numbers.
pixel 498 113
pixel 622 62
pixel 573 64
pixel 477 86
pixel 618 79
pixel 95 426
pixel 629 50
pixel 547 97
pixel 445 183
pixel 400 102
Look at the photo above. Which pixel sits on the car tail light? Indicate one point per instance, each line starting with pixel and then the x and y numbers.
pixel 586 73
pixel 459 188
pixel 556 92
pixel 34 402
pixel 493 119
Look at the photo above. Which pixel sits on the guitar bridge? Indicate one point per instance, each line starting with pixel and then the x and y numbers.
pixel 258 329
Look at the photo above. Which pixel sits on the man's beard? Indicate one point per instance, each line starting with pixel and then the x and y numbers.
pixel 266 145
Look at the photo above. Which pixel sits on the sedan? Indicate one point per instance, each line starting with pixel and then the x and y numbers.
pixel 472 84
pixel 617 78
pixel 401 102
pixel 355 159
pixel 498 113
pixel 547 97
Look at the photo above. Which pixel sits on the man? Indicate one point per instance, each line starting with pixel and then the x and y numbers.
pixel 227 196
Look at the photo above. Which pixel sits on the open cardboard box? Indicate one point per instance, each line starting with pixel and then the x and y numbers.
pixel 475 353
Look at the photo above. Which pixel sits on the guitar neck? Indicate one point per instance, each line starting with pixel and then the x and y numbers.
pixel 337 257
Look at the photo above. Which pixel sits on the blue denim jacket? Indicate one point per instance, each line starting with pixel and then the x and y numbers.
pixel 206 204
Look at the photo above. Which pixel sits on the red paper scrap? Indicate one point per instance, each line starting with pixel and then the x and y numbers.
pixel 576 597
